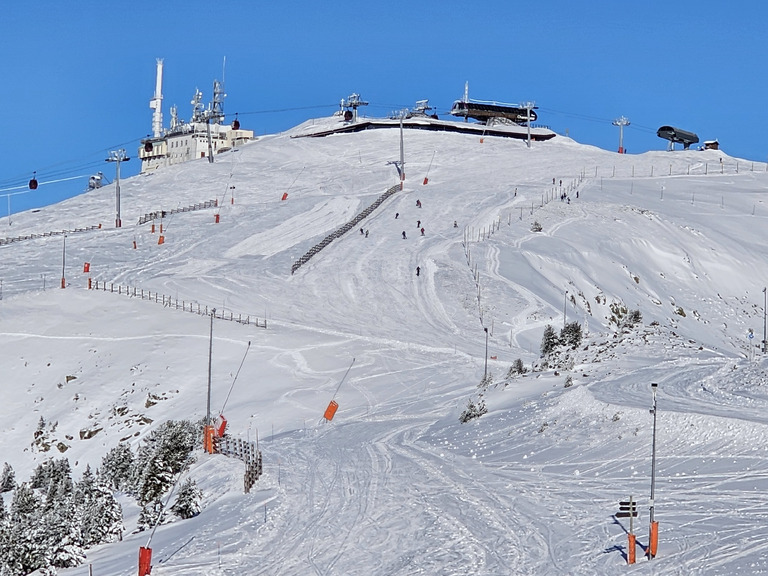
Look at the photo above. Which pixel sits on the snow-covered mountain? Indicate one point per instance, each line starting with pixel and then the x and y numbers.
pixel 395 483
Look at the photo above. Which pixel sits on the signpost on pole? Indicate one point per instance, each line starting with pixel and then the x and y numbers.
pixel 628 509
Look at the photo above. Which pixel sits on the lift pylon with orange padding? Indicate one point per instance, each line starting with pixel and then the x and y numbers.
pixel 653 540
pixel 145 561
pixel 208 433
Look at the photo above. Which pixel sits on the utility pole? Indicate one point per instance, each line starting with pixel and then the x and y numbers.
pixel 621 122
pixel 653 540
pixel 485 374
pixel 117 156
pixel 565 303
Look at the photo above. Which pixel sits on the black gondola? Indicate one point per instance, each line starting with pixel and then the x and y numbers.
pixel 33 182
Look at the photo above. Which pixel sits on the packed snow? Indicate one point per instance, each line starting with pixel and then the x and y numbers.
pixel 395 484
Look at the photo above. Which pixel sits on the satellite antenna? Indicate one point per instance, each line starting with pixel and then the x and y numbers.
pixel 198 113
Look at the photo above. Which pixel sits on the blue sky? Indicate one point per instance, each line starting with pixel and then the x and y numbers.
pixel 78 83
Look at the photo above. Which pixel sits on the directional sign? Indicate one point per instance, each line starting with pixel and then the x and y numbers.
pixel 627 509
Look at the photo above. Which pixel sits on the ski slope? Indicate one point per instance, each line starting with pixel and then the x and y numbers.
pixel 395 484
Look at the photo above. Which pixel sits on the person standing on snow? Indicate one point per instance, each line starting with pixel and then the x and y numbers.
pixel 418 270
pixel 404 235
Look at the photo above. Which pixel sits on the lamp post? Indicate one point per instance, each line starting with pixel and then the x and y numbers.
pixel 654 527
pixel 485 374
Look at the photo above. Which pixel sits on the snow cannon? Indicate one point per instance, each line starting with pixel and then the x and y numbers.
pixel 331 410
pixel 221 426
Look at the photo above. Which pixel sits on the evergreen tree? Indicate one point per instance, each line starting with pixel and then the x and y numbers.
pixel 570 335
pixel 98 516
pixel 517 368
pixel 188 499
pixel 549 341
pixel 116 466
pixel 60 537
pixel 7 479
pixel 26 503
pixel 164 454
pixel 60 485
pixel 27 551
pixel 151 514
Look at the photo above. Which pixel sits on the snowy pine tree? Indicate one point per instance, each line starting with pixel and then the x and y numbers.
pixel 27 549
pixel 25 502
pixel 188 499
pixel 7 479
pixel 164 454
pixel 116 466
pixel 98 516
pixel 549 341
pixel 151 514
pixel 570 335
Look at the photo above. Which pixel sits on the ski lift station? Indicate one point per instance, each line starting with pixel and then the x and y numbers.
pixel 676 135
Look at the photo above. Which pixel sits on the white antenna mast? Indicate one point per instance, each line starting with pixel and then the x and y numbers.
pixel 157 102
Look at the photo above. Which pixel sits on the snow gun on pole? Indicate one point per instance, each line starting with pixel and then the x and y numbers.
pixel 221 422
pixel 333 405
pixel 426 177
